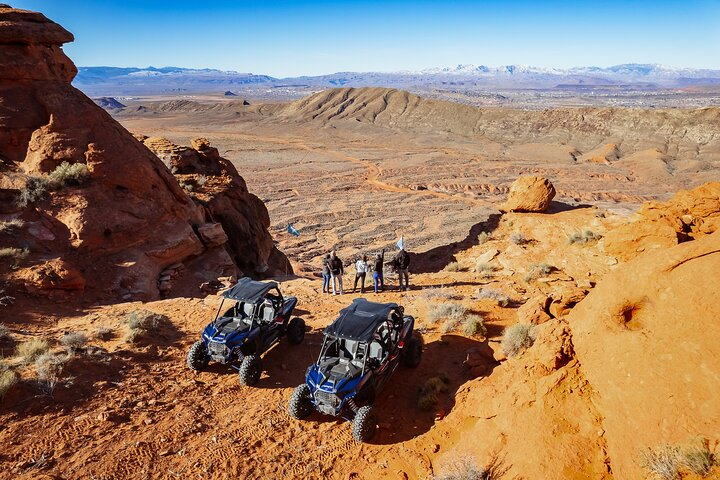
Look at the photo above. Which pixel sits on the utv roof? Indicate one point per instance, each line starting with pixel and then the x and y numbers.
pixel 247 290
pixel 360 320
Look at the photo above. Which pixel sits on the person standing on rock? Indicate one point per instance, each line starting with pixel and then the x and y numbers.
pixel 336 273
pixel 361 268
pixel 326 273
pixel 402 260
pixel 378 282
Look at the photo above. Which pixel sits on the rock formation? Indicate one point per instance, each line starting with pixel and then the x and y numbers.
pixel 529 194
pixel 102 211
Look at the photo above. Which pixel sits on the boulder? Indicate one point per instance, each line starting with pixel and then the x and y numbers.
pixel 212 234
pixel 646 337
pixel 535 310
pixel 529 194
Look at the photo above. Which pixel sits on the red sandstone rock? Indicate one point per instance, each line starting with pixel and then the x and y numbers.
pixel 529 194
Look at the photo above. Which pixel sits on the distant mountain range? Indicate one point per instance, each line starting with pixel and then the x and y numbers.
pixel 147 81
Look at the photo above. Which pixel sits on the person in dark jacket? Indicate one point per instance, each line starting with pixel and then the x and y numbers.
pixel 378 283
pixel 402 260
pixel 326 273
pixel 336 273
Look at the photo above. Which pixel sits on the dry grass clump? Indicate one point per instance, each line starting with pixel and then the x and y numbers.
pixel 453 267
pixel 665 462
pixel 474 325
pixel 10 226
pixel 31 349
pixel 104 332
pixel 4 331
pixel 5 300
pixel 517 338
pixel 537 270
pixel 74 341
pixel 437 293
pixel 483 268
pixel 8 378
pixel 518 238
pixel 428 397
pixel 12 253
pixel 64 175
pixel 49 367
pixel 450 313
pixel 465 468
pixel 139 323
pixel 483 237
pixel 499 297
pixel 583 237
pixel 187 186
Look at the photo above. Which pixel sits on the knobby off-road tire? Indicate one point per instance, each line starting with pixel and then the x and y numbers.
pixel 364 424
pixel 250 370
pixel 300 405
pixel 412 353
pixel 197 358
pixel 296 331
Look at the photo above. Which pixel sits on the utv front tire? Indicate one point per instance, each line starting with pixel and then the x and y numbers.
pixel 364 424
pixel 250 370
pixel 300 405
pixel 296 331
pixel 197 358
pixel 412 352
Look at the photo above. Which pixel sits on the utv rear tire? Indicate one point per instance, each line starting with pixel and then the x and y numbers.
pixel 250 370
pixel 296 331
pixel 412 352
pixel 364 424
pixel 300 405
pixel 197 358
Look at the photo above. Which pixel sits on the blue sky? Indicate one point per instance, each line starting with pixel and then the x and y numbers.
pixel 293 37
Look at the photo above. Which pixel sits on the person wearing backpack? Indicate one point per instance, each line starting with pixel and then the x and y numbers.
pixel 336 273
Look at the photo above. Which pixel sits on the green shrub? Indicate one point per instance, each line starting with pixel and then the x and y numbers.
pixel 33 191
pixel 474 325
pixel 64 175
pixel 31 349
pixel 517 338
pixel 427 401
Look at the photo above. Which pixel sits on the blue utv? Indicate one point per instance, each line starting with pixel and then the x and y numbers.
pixel 361 350
pixel 257 318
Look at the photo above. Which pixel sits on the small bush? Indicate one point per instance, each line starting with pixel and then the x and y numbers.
pixel 16 254
pixel 517 338
pixel 49 368
pixel 33 191
pixel 187 186
pixel 465 468
pixel 201 180
pixel 538 270
pixel 427 401
pixel 4 331
pixel 450 313
pixel 697 458
pixel 8 378
pixel 74 341
pixel 31 349
pixel 483 237
pixel 662 462
pixel 104 332
pixel 67 174
pixel 483 268
pixel 139 323
pixel 453 267
pixel 500 298
pixel 583 237
pixel 474 325
pixel 11 225
pixel 518 238
pixel 437 293
pixel 428 397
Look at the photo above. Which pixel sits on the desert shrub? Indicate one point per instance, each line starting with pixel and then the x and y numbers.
pixel 49 367
pixel 11 225
pixel 31 349
pixel 201 180
pixel 4 331
pixel 500 298
pixel 428 394
pixel 483 268
pixel 453 267
pixel 8 378
pixel 13 253
pixel 140 322
pixel 662 462
pixel 450 313
pixel 465 468
pixel 103 332
pixel 538 270
pixel 518 238
pixel 67 174
pixel 483 237
pixel 74 341
pixel 697 458
pixel 437 293
pixel 33 191
pixel 517 338
pixel 583 237
pixel 474 325
pixel 187 186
